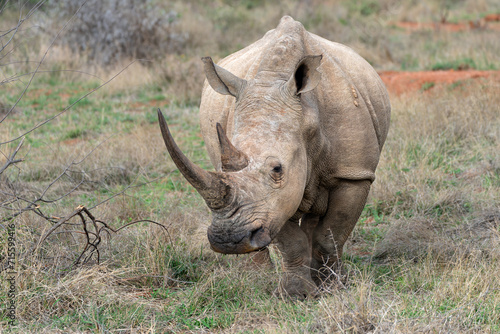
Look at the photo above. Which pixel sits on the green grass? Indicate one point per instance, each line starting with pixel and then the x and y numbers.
pixel 423 257
pixel 215 292
pixel 427 86
pixel 463 64
pixel 460 64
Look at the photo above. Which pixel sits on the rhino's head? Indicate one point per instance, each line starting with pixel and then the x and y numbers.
pixel 264 167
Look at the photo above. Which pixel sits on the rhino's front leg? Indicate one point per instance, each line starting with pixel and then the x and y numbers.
pixel 294 246
pixel 345 204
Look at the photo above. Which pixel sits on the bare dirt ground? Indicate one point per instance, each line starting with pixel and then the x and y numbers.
pixel 490 22
pixel 401 82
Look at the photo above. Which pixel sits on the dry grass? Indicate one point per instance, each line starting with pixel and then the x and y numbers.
pixel 439 175
pixel 439 272
pixel 423 258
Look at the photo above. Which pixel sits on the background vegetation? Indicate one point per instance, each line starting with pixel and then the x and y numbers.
pixel 424 256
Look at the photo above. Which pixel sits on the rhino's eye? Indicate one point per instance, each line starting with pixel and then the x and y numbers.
pixel 277 173
pixel 277 169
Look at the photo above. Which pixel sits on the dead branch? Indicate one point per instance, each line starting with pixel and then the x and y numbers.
pixel 93 229
pixel 20 22
pixel 12 158
pixel 65 109
pixel 16 200
pixel 39 4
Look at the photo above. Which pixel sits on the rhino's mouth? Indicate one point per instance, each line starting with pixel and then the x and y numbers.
pixel 250 239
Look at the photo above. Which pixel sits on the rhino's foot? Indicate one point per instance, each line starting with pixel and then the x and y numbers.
pixel 297 286
pixel 328 277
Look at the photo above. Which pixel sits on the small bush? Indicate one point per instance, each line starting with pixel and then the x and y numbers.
pixel 364 7
pixel 108 31
pixel 457 65
pixel 427 85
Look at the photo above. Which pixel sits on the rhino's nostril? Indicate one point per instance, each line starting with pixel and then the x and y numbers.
pixel 259 238
pixel 256 232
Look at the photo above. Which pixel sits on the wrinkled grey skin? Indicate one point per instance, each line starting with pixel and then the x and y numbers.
pixel 302 124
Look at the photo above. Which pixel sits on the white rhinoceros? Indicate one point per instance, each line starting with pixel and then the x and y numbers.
pixel 294 125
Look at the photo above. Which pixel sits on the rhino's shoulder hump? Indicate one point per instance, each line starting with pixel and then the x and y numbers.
pixel 284 43
pixel 288 26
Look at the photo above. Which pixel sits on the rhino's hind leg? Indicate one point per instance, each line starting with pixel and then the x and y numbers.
pixel 345 204
pixel 294 246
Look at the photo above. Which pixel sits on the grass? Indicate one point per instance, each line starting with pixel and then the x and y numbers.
pixel 424 256
pixel 427 86
pixel 462 64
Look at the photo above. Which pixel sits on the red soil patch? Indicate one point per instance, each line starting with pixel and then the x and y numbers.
pixel 64 96
pixel 489 22
pixel 404 82
pixel 72 142
pixel 492 18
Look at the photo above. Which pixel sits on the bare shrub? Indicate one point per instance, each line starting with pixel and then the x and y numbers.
pixel 108 31
pixel 38 190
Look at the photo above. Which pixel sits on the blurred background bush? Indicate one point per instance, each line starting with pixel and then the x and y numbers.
pixel 109 31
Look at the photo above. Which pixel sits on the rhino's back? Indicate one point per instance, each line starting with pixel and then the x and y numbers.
pixel 351 99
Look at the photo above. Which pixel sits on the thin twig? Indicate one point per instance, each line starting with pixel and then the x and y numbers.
pixel 68 107
pixel 40 62
pixel 11 160
pixel 17 77
pixel 93 238
pixel 20 22
pixel 55 227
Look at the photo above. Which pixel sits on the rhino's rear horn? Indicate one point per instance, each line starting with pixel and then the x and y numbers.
pixel 210 185
pixel 231 158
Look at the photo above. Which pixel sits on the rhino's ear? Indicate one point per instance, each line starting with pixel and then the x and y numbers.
pixel 306 77
pixel 221 80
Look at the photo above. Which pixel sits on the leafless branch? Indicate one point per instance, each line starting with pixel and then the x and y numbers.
pixel 12 159
pixel 19 76
pixel 40 3
pixel 20 22
pixel 17 199
pixel 92 229
pixel 65 109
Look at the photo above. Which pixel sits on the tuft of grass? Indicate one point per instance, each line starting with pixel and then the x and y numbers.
pixel 75 133
pixel 457 65
pixel 462 64
pixel 427 85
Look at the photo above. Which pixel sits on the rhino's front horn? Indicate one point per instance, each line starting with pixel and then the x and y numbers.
pixel 211 187
pixel 231 158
